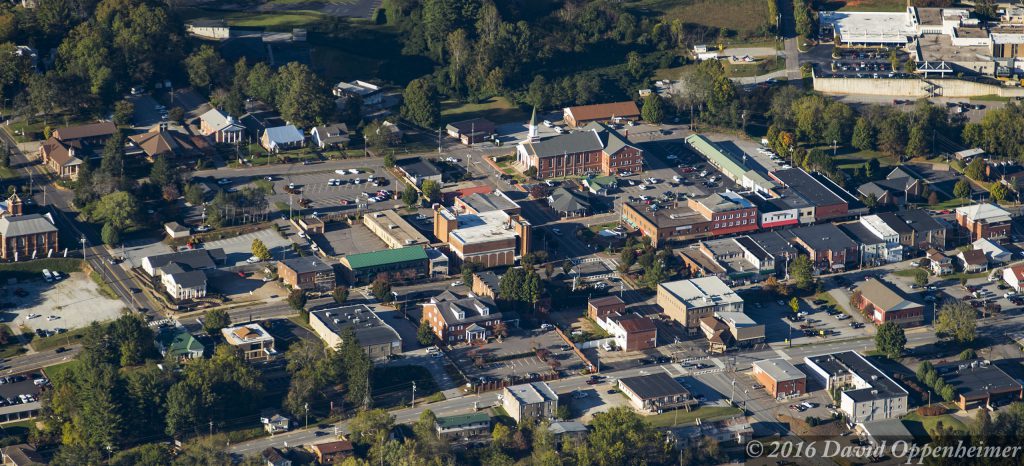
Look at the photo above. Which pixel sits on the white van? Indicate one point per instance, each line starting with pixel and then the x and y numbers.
pixel 47 275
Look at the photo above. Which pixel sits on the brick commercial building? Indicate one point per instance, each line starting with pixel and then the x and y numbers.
pixel 984 221
pixel 979 383
pixel 394 230
pixel 687 301
pixel 390 264
pixel 24 237
pixel 631 332
pixel 462 319
pixel 599 307
pixel 827 204
pixel 616 112
pixel 715 215
pixel 781 379
pixel 478 203
pixel 490 239
pixel 590 150
pixel 656 392
pixel 470 132
pixel 827 246
pixel 866 393
pixel 375 336
pixel 307 273
pixel 882 303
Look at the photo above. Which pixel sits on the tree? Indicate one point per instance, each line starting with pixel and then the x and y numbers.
pixel 389 160
pixel 425 334
pixel 297 300
pixel 794 304
pixel 161 173
pixel 976 169
pixel 118 208
pixel 999 192
pixel 123 113
pixel 410 195
pixel 962 189
pixel 421 103
pixel 371 426
pixel 916 144
pixel 863 135
pixel 110 234
pixel 620 435
pixel 176 114
pixel 194 194
pixel 871 168
pixel 957 320
pixel 501 436
pixel 431 190
pixel 381 289
pixel 653 110
pixel 205 68
pixel 215 319
pixel 301 96
pixel 468 269
pixel 967 355
pixel 890 340
pixel 340 294
pixel 920 277
pixel 802 272
pixel 260 250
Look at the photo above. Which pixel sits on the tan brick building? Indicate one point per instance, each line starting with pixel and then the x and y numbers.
pixel 781 379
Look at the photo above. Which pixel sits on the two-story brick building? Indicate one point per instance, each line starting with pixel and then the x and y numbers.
pixel 24 237
pixel 883 304
pixel 593 149
pixel 987 221
pixel 307 273
pixel 462 318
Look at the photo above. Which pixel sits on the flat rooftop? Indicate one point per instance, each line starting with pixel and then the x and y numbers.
pixel 977 379
pixel 396 227
pixel 484 227
pixel 851 362
pixel 671 217
pixel 779 369
pixel 701 292
pixel 806 186
pixel 486 202
pixel 939 47
pixel 870 27
pixel 369 329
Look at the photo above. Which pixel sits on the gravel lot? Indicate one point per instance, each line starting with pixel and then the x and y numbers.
pixel 76 300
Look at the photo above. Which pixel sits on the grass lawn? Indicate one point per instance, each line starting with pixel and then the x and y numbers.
pixel 392 385
pixel 6 172
pixel 496 109
pixel 909 273
pixel 753 69
pixel 681 417
pixel 673 73
pixel 923 425
pixel 64 339
pixel 32 269
pixel 864 5
pixel 743 17
pixel 992 98
pixel 104 288
pixel 277 20
pixel 851 160
pixel 55 371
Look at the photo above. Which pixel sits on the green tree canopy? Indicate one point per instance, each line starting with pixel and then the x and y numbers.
pixel 653 110
pixel 890 339
pixel 802 272
pixel 421 103
pixel 957 320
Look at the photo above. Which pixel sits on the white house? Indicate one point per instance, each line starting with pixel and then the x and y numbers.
pixel 1014 276
pixel 282 138
pixel 993 250
pixel 185 285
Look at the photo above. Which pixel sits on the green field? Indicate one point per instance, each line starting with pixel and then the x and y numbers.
pixel 496 109
pixel 863 5
pixel 923 425
pixel 681 417
pixel 753 69
pixel 277 20
pixel 745 18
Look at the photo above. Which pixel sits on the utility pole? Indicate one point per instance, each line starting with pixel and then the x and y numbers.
pixel 413 393
pixel 211 428
pixel 306 408
pixel 439 140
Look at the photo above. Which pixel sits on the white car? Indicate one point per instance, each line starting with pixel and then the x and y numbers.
pixel 341 171
pixel 357 181
pixel 332 182
pixel 302 234
pixel 548 123
pixel 353 171
pixel 677 178
pixel 203 228
pixel 559 130
pixel 223 181
pixel 458 283
pixel 253 259
pixel 703 173
pixel 643 187
pixel 51 318
pixel 291 185
pixel 33 316
pixel 626 173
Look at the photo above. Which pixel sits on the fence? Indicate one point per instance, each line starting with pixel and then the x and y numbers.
pixel 590 366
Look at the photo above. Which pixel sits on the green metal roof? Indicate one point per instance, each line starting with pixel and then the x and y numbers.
pixel 715 155
pixel 385 257
pixel 179 342
pixel 458 420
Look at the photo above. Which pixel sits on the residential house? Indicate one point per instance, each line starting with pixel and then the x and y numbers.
pixel 472 131
pixel 24 237
pixel 567 430
pixel 462 319
pixel 826 245
pixel 569 203
pixel 780 378
pixel 973 260
pixel 307 273
pixel 21 455
pixel 883 303
pixel 993 251
pixel 274 457
pixel 461 427
pixel 375 336
pixel 332 452
pixel 866 392
pixel 275 423
pixel 330 136
pixel 176 230
pixel 939 263
pixel 616 112
pixel 601 185
pixel 183 284
pixel 221 128
pixel 397 265
pixel 631 332
pixel 390 133
pixel 984 221
pixel 68 148
pixel 534 401
pixel 369 94
pixel 656 392
pixel 687 301
pixel 178 344
pixel 594 149
pixel 160 142
pixel 1014 276
pixel 251 340
pixel 278 138
pixel 598 308
pixel 182 273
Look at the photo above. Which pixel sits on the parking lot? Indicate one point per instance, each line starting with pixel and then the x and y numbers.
pixel 519 342
pixel 816 326
pixel 324 197
pixel 70 303
pixel 239 248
